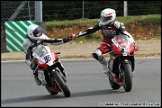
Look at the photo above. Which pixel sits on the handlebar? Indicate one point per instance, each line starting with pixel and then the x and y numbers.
pixel 41 42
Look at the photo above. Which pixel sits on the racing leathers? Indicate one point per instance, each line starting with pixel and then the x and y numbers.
pixel 108 32
pixel 29 43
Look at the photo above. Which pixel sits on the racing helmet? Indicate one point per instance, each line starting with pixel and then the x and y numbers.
pixel 35 32
pixel 107 15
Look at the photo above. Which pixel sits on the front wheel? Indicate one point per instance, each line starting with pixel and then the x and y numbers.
pixel 61 83
pixel 127 79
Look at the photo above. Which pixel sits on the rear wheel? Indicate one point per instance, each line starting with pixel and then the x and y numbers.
pixel 52 92
pixel 113 84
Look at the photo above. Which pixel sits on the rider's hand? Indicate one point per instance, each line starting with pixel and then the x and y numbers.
pixel 72 36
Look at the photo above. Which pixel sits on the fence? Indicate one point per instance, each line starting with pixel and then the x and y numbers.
pixel 27 12
pixel 68 10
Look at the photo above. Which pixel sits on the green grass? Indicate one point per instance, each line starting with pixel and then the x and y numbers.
pixel 144 19
pixel 152 20
pixel 69 23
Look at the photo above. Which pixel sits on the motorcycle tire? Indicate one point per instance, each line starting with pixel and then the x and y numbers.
pixel 50 91
pixel 61 83
pixel 127 77
pixel 113 84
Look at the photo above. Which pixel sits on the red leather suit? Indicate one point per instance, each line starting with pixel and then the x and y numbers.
pixel 108 32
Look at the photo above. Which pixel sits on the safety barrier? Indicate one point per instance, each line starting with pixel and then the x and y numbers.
pixel 15 32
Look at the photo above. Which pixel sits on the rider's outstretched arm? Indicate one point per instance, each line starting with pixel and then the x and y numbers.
pixel 89 30
pixel 57 41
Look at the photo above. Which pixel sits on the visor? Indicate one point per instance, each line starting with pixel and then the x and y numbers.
pixel 37 32
pixel 105 19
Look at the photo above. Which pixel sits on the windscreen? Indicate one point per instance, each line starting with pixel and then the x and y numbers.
pixel 40 50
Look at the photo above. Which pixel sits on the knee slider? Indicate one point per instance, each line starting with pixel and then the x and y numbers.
pixel 33 65
pixel 96 54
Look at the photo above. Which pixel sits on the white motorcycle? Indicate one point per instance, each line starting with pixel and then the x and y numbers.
pixel 48 70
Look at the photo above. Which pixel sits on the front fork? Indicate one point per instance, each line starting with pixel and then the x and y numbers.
pixel 116 68
pixel 61 68
pixel 58 67
pixel 122 69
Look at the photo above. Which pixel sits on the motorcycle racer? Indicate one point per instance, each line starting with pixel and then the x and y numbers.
pixel 34 35
pixel 110 27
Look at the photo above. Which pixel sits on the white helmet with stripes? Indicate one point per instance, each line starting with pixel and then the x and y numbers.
pixel 107 16
pixel 35 32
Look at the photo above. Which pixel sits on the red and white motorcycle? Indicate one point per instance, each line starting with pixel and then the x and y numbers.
pixel 49 72
pixel 121 62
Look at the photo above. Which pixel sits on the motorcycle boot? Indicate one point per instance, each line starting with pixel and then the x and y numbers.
pixel 38 82
pixel 104 63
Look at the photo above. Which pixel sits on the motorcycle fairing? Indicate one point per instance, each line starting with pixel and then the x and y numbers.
pixel 44 55
pixel 122 45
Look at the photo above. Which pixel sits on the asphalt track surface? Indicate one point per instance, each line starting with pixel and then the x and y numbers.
pixel 88 85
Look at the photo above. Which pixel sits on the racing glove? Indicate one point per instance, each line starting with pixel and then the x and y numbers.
pixel 72 36
pixel 69 38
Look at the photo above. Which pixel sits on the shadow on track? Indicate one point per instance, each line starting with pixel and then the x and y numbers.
pixel 97 92
pixel 49 97
pixel 31 98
